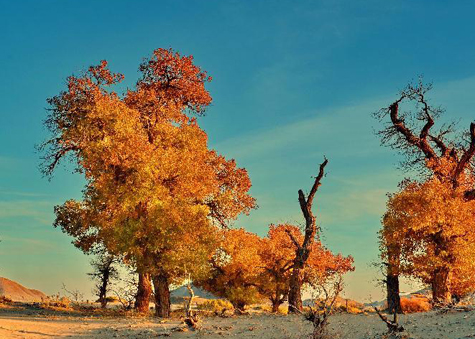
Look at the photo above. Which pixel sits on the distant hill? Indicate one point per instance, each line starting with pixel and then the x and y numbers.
pixel 339 302
pixel 183 292
pixel 17 292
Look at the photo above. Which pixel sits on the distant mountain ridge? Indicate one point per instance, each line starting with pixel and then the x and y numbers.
pixel 16 292
pixel 199 292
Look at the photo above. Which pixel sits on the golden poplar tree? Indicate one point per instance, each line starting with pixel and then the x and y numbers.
pixel 155 192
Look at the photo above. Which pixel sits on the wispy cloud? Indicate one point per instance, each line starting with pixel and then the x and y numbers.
pixel 22 194
pixel 327 131
pixel 39 211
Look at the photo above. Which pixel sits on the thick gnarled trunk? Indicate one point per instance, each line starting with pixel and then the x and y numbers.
pixel 103 289
pixel 303 250
pixel 277 301
pixel 441 286
pixel 392 289
pixel 162 295
pixel 295 292
pixel 392 280
pixel 144 293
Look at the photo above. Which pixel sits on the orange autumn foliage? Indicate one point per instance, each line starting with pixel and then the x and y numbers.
pixel 433 225
pixel 155 192
pixel 235 267
pixel 415 304
pixel 248 268
pixel 277 256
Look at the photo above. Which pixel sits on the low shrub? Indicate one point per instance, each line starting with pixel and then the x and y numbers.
pixel 415 304
pixel 56 301
pixel 215 305
pixel 5 300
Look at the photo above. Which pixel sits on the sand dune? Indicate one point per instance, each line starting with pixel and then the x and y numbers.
pixel 17 292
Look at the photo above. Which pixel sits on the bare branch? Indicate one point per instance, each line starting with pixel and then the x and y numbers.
pixel 467 155
pixel 294 240
pixel 393 326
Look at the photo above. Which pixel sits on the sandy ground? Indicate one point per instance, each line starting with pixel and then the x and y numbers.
pixel 29 324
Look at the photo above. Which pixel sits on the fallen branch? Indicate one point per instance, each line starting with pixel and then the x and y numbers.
pixel 393 326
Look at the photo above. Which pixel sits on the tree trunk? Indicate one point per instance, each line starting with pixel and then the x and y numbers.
pixel 392 279
pixel 276 304
pixel 303 250
pixel 392 289
pixel 103 289
pixel 441 286
pixel 239 307
pixel 142 300
pixel 441 277
pixel 295 293
pixel 162 295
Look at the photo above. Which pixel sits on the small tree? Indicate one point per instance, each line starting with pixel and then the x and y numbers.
pixel 327 292
pixel 75 295
pixel 104 271
pixel 277 255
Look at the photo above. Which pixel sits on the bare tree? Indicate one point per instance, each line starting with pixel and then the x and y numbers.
pixel 75 295
pixel 104 272
pixel 303 250
pixel 191 319
pixel 327 293
pixel 126 290
pixel 394 328
pixel 412 133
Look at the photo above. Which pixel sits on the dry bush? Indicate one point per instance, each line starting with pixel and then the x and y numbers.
pixel 75 295
pixel 415 304
pixel 56 301
pixel 216 305
pixel 5 300
pixel 328 292
pixel 353 310
pixel 283 310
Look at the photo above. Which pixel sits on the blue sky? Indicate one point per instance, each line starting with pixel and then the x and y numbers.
pixel 292 81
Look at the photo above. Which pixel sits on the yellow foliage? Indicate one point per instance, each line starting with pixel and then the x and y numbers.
pixel 215 305
pixel 431 227
pixel 415 304
pixel 155 191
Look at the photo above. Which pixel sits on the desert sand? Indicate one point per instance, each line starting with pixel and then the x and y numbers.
pixel 29 322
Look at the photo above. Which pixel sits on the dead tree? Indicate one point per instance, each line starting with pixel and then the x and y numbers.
pixel 303 250
pixel 393 325
pixel 104 272
pixel 324 306
pixel 75 295
pixel 435 152
pixel 126 291
pixel 191 319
